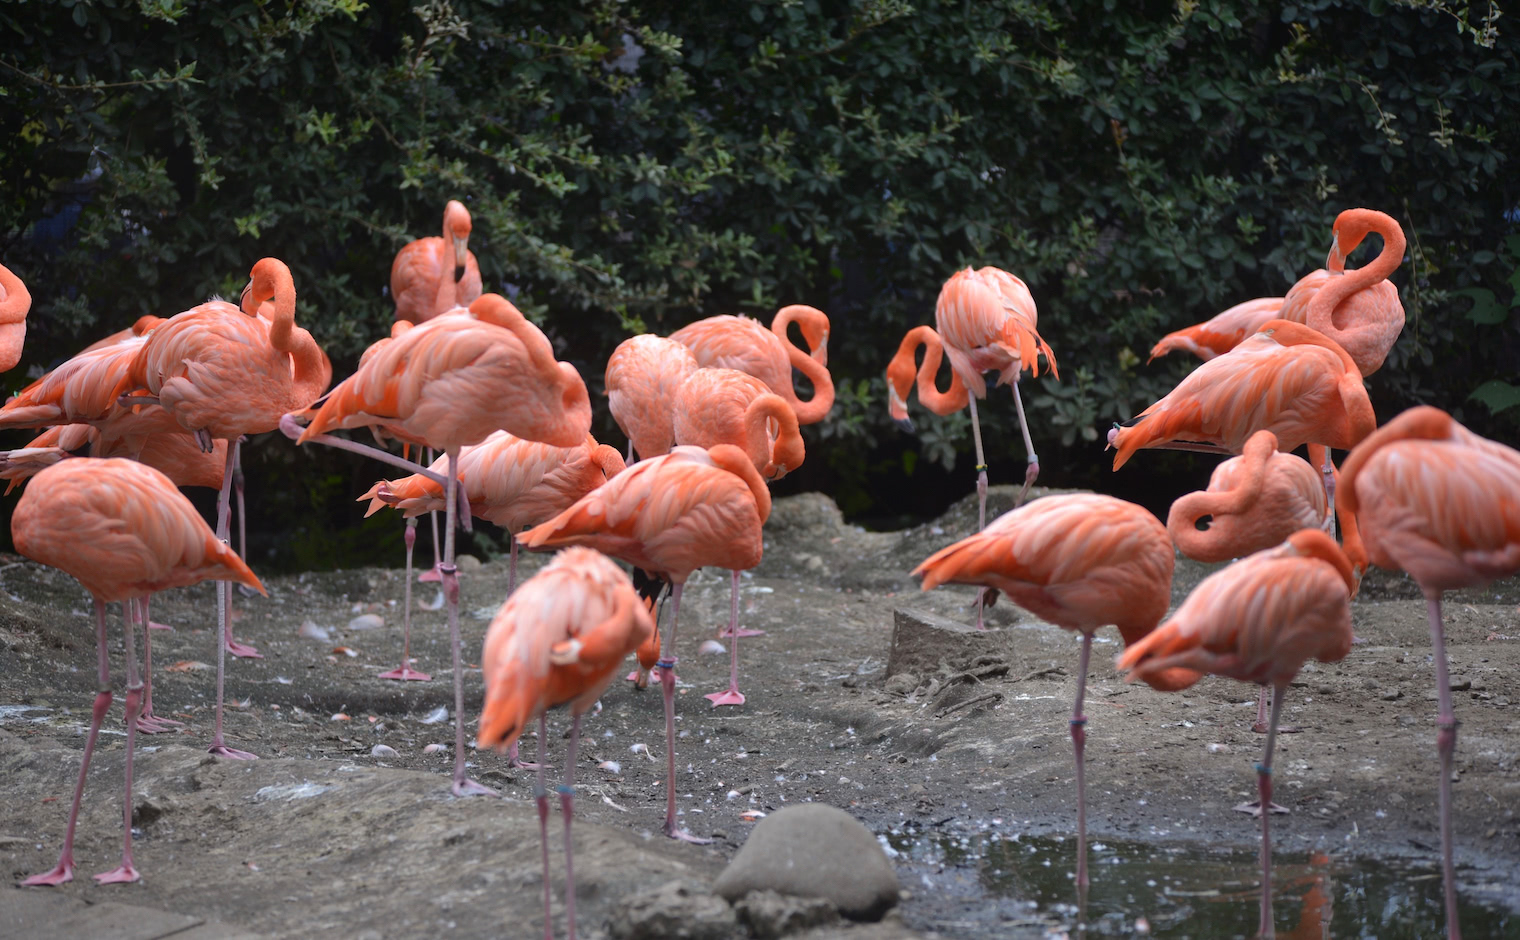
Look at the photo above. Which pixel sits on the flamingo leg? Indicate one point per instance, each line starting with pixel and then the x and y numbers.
pixel 1032 471
pixel 566 807
pixel 541 797
pixel 667 667
pixel 1078 745
pixel 731 695
pixel 63 872
pixel 512 571
pixel 242 513
pixel 126 872
pixel 981 492
pixel 1264 785
pixel 1263 703
pixel 433 573
pixel 292 429
pixel 1446 745
pixel 1329 472
pixel 231 476
pixel 223 618
pixel 463 785
pixel 406 672
pixel 147 722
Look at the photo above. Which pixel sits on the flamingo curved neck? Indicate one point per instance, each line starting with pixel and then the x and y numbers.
pixel 809 319
pixel 955 397
pixel 15 300
pixel 1321 313
pixel 812 410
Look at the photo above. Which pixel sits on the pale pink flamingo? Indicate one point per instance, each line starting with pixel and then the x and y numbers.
pixel 447 384
pixel 736 342
pixel 1437 501
pixel 671 515
pixel 1259 620
pixel 15 301
pixel 643 375
pixel 123 531
pixel 221 372
pixel 1079 561
pixel 432 275
pixel 558 640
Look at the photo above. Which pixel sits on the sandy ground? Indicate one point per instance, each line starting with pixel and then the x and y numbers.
pixel 320 837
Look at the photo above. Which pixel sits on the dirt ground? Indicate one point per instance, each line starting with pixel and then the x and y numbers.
pixel 321 837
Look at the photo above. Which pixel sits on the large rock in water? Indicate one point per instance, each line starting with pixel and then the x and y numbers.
pixel 816 851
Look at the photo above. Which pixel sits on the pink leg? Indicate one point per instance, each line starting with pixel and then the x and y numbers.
pixel 1078 743
pixel 406 673
pixel 218 743
pixel 463 785
pixel 731 695
pixel 1446 745
pixel 541 797
pixel 147 722
pixel 512 571
pixel 566 807
pixel 1263 703
pixel 667 667
pixel 981 493
pixel 63 872
pixel 223 532
pixel 126 872
pixel 1264 786
pixel 434 573
pixel 1032 470
pixel 242 513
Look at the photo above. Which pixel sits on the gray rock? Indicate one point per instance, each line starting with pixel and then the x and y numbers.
pixel 922 641
pixel 677 910
pixel 769 915
pixel 903 683
pixel 818 851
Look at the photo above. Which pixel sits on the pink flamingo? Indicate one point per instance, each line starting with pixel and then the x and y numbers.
pixel 643 376
pixel 432 275
pixel 447 384
pixel 558 641
pixel 735 342
pixel 15 301
pixel 1259 620
pixel 1437 501
pixel 123 531
pixel 671 515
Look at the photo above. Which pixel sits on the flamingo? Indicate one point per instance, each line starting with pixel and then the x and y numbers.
pixel 643 375
pixel 1224 331
pixel 736 342
pixel 726 406
pixel 558 641
pixel 220 373
pixel 1437 501
pixel 671 515
pixel 1361 311
pixel 1287 378
pixel 447 384
pixel 1079 561
pixel 15 301
pixel 123 531
pixel 1258 620
pixel 900 378
pixel 432 275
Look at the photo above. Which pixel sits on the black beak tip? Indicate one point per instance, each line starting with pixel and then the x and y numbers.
pixel 458 273
pixel 905 423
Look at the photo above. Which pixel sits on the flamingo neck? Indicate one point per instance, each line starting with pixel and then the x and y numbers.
pixel 805 317
pixel 812 410
pixel 15 300
pixel 1321 313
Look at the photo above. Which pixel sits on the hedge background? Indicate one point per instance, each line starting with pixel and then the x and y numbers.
pixel 637 166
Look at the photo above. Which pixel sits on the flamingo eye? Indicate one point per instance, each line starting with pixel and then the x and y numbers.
pixel 1203 522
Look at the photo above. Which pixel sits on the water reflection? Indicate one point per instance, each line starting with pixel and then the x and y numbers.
pixel 970 883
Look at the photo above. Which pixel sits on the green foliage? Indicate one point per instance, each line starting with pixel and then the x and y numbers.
pixel 635 166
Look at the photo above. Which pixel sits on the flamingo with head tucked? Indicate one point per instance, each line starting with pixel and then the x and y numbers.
pixel 726 406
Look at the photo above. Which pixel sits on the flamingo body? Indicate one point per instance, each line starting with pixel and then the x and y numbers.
pixel 15 302
pixel 987 320
pixel 726 406
pixel 432 275
pixel 643 376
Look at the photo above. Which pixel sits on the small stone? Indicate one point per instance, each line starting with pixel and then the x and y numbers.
pixel 366 622
pixel 310 631
pixel 467 563
pixel 1393 695
pixel 1460 685
pixel 769 915
pixel 814 850
pixel 677 910
pixel 383 750
pixel 902 684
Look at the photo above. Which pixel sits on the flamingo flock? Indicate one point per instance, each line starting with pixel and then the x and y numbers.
pixel 712 416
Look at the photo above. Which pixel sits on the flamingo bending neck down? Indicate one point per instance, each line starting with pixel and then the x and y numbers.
pixel 737 342
pixel 433 275
pixel 901 378
pixel 1361 310
pixel 726 406
pixel 15 301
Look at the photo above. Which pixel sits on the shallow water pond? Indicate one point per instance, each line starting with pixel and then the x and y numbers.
pixel 968 885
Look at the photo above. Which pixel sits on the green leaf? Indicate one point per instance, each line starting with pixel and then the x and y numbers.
pixel 1486 308
pixel 1497 394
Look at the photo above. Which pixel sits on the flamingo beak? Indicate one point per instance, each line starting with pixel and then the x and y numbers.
pixel 461 252
pixel 244 300
pixel 1335 261
pixel 905 423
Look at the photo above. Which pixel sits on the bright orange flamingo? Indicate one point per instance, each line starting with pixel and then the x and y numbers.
pixel 643 375
pixel 671 515
pixel 987 320
pixel 447 384
pixel 726 406
pixel 558 641
pixel 15 301
pixel 1361 311
pixel 506 480
pixel 1287 379
pixel 900 378
pixel 431 275
pixel 221 372
pixel 1078 561
pixel 734 342
pixel 1259 620
pixel 1438 501
pixel 124 531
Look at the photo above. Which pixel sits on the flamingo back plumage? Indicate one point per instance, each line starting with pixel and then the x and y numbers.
pixel 643 376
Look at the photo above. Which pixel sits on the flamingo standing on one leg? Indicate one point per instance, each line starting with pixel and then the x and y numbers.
pixel 670 516
pixel 1259 620
pixel 735 342
pixel 450 383
pixel 220 372
pixel 1079 561
pixel 432 275
pixel 1438 501
pixel 558 641
pixel 643 376
pixel 123 531
pixel 15 301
